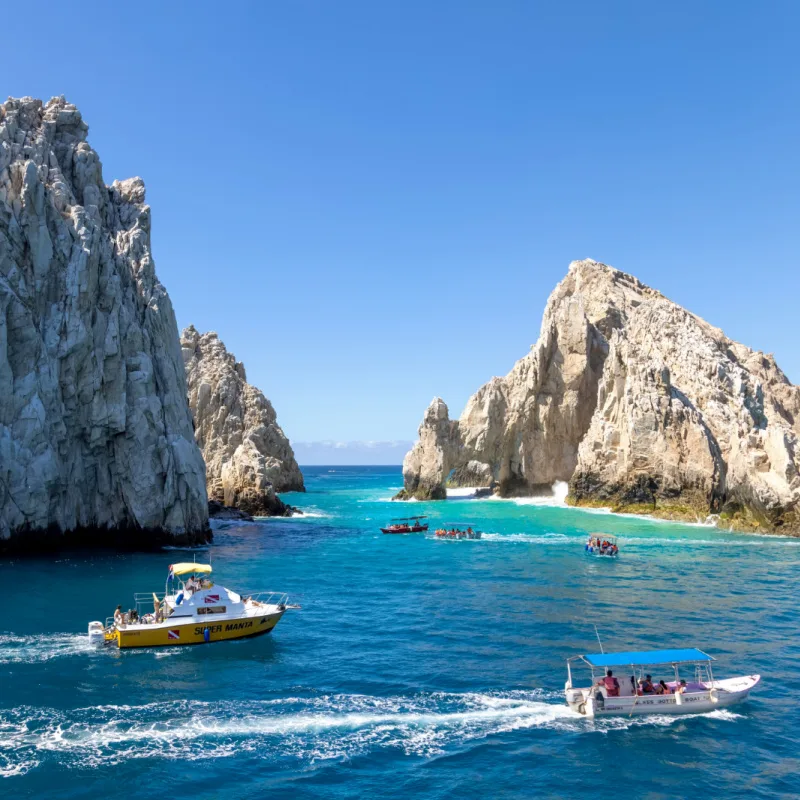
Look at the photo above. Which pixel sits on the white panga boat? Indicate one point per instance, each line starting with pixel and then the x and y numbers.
pixel 619 692
pixel 192 610
pixel 462 530
pixel 602 544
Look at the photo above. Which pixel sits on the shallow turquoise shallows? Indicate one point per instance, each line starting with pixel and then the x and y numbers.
pixel 416 667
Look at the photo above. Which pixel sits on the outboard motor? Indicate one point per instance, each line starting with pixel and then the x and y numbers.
pixel 574 697
pixel 96 633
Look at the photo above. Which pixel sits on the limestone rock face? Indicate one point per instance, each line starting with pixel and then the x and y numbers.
pixel 248 457
pixel 637 403
pixel 95 432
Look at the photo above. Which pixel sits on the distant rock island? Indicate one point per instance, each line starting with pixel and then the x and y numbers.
pixel 640 405
pixel 96 440
pixel 248 457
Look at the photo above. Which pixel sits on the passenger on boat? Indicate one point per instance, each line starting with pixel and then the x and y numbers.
pixel 118 616
pixel 611 684
pixel 681 688
pixel 647 685
pixel 662 688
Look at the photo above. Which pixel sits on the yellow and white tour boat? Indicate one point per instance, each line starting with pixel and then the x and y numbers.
pixel 192 610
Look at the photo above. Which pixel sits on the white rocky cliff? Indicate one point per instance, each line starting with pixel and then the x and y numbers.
pixel 636 402
pixel 248 457
pixel 96 439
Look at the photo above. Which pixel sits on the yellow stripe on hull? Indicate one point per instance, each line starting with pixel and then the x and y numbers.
pixel 194 633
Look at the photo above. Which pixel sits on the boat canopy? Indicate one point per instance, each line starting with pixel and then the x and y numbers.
pixel 187 568
pixel 643 657
pixel 409 519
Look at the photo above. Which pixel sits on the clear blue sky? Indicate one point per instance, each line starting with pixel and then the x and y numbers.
pixel 371 201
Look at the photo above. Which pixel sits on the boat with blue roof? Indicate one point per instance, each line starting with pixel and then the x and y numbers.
pixel 622 684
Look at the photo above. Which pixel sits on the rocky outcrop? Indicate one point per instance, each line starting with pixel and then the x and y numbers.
pixel 96 439
pixel 636 402
pixel 248 457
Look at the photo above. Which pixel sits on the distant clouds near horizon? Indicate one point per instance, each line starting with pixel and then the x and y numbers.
pixel 358 453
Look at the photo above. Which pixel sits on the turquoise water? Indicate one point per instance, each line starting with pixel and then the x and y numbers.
pixel 416 667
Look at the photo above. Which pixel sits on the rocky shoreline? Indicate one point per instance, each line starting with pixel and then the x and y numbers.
pixel 639 405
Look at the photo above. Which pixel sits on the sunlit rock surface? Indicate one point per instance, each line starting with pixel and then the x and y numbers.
pixel 248 457
pixel 96 441
pixel 639 404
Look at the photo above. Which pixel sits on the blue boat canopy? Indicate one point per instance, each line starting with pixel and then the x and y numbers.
pixel 647 657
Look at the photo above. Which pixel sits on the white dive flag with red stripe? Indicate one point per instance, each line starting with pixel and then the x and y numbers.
pixel 212 598
pixel 174 634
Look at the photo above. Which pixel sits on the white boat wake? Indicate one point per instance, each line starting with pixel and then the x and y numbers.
pixel 39 648
pixel 323 727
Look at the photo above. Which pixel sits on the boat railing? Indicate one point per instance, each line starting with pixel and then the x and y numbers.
pixel 267 598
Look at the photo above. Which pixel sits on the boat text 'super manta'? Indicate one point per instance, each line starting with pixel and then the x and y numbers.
pixel 192 611
pixel 627 691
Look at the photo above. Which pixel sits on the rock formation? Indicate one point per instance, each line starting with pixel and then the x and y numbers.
pixel 248 457
pixel 96 436
pixel 639 404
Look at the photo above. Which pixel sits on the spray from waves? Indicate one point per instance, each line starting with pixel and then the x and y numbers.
pixel 557 497
pixel 317 728
pixel 37 649
pixel 311 512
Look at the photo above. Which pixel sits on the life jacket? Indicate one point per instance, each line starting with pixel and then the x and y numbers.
pixel 612 685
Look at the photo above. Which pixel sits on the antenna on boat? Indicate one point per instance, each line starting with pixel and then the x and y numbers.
pixel 598 639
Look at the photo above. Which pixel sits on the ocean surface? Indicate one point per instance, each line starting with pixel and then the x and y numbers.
pixel 415 668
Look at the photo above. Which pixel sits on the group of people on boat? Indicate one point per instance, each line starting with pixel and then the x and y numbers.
pixel 132 617
pixel 411 525
pixel 603 546
pixel 457 533
pixel 645 686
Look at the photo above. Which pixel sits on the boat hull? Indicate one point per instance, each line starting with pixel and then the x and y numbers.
pixel 721 694
pixel 193 632
pixel 422 529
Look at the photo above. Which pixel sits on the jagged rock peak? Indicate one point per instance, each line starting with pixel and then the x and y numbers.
pixel 248 457
pixel 639 404
pixel 95 432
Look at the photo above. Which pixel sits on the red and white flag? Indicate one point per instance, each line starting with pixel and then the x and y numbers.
pixel 174 634
pixel 212 598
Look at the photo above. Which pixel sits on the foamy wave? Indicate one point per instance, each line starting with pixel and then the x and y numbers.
pixel 36 649
pixel 464 491
pixel 556 498
pixel 308 513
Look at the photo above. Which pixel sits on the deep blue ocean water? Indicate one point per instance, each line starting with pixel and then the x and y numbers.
pixel 416 667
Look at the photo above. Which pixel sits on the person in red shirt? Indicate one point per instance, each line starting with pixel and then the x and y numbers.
pixel 611 684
